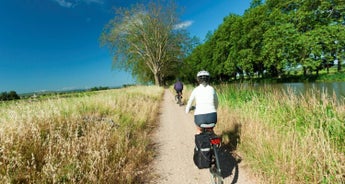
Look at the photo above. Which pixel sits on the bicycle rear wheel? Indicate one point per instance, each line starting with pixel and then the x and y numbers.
pixel 216 177
pixel 216 173
pixel 179 101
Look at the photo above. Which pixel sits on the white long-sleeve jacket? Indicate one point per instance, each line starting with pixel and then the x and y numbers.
pixel 206 100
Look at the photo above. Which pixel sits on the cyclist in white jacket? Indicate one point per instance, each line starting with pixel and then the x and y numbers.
pixel 206 101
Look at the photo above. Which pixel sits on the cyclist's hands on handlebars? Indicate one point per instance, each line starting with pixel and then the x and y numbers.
pixel 189 109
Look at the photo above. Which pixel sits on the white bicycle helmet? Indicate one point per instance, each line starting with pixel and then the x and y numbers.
pixel 203 77
pixel 203 73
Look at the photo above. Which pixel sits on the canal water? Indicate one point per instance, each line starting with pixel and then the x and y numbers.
pixel 330 88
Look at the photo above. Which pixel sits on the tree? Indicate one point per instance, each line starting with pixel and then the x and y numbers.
pixel 191 64
pixel 12 95
pixel 147 40
pixel 254 26
pixel 235 32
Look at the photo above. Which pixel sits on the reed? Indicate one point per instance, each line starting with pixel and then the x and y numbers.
pixel 285 137
pixel 103 137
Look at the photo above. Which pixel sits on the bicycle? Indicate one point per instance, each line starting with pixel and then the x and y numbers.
pixel 178 98
pixel 215 142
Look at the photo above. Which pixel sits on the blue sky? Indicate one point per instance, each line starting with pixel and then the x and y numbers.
pixel 53 45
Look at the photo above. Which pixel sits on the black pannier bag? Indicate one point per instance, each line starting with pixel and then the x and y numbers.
pixel 202 151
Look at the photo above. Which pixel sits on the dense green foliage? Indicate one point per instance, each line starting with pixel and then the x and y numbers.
pixel 99 88
pixel 12 95
pixel 275 39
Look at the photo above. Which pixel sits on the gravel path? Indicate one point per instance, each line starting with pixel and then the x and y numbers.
pixel 175 141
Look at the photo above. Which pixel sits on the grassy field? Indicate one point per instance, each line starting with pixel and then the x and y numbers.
pixel 101 137
pixel 285 138
pixel 104 137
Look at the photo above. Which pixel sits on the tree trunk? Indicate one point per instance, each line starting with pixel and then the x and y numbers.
pixel 304 71
pixel 157 83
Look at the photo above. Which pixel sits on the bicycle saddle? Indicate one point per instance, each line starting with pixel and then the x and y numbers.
pixel 211 125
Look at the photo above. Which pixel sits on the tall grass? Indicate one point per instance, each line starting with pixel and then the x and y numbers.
pixel 99 138
pixel 286 138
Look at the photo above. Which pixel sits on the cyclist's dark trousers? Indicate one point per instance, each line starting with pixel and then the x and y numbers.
pixel 178 91
pixel 205 118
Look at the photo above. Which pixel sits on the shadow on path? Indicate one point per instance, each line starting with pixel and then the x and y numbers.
pixel 228 158
pixel 229 164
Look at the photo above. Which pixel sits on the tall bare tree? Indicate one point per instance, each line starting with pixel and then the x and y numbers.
pixel 147 40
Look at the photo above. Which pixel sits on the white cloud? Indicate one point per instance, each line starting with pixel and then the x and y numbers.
pixel 183 25
pixel 94 1
pixel 73 3
pixel 64 3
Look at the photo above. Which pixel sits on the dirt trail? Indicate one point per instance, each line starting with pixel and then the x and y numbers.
pixel 175 139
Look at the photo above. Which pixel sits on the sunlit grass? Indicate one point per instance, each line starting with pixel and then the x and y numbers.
pixel 99 138
pixel 286 138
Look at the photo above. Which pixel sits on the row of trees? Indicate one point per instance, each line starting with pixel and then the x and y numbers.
pixel 271 38
pixel 6 96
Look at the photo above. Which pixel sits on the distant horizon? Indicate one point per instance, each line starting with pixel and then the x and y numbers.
pixel 73 90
